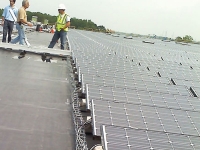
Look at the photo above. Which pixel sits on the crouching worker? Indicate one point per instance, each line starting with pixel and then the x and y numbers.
pixel 62 24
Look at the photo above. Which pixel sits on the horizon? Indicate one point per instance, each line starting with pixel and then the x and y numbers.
pixel 163 18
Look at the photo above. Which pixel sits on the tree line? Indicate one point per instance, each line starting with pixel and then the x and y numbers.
pixel 82 24
pixel 186 39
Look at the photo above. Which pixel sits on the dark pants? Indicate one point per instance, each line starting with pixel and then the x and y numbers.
pixel 7 29
pixel 63 39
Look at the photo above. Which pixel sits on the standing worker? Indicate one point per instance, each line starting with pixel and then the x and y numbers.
pixel 21 21
pixel 62 24
pixel 8 21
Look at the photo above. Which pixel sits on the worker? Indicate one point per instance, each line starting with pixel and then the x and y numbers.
pixel 21 21
pixel 8 20
pixel 62 24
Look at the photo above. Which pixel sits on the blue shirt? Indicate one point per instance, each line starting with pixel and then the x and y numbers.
pixel 6 14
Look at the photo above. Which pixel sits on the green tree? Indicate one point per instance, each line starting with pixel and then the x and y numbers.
pixel 1 12
pixel 178 39
pixel 187 39
pixel 78 23
pixel 84 24
pixel 101 28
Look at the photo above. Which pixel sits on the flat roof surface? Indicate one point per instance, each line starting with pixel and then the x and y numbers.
pixel 39 44
pixel 35 103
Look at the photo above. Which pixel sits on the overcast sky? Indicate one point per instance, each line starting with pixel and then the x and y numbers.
pixel 170 18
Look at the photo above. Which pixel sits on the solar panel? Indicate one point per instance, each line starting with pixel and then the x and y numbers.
pixel 119 82
pixel 150 70
pixel 118 138
pixel 169 99
pixel 189 83
pixel 144 117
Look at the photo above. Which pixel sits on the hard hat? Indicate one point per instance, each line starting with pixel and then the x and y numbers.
pixel 61 6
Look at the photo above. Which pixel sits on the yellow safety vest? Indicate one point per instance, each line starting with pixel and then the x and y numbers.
pixel 61 22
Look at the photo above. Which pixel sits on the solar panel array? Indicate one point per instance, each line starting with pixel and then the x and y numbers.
pixel 137 139
pixel 143 98
pixel 140 95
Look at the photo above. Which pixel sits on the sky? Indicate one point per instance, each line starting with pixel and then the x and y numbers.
pixel 169 18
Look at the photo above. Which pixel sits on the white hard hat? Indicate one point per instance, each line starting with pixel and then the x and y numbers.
pixel 61 6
